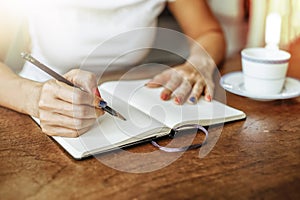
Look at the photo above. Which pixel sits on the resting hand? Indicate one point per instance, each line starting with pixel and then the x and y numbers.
pixel 185 83
pixel 68 111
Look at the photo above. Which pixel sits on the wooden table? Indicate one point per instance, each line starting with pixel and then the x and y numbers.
pixel 256 158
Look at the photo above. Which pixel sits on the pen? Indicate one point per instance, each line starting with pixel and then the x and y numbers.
pixel 102 104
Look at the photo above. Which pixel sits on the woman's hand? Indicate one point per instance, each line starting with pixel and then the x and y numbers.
pixel 207 48
pixel 185 83
pixel 68 111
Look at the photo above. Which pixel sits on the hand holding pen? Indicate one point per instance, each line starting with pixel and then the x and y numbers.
pixel 65 110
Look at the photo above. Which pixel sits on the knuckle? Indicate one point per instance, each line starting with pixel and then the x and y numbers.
pixel 74 134
pixel 91 77
pixel 158 76
pixel 45 104
pixel 72 73
pixel 46 97
pixel 42 103
pixel 177 74
pixel 46 129
pixel 187 84
pixel 167 71
pixel 181 93
pixel 42 116
pixel 50 85
pixel 50 88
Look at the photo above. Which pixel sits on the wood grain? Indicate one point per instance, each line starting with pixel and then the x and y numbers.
pixel 256 158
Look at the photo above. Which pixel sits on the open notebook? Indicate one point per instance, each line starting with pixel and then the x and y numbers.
pixel 147 117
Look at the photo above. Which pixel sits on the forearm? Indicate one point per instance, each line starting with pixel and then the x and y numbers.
pixel 18 93
pixel 208 49
pixel 214 44
pixel 198 22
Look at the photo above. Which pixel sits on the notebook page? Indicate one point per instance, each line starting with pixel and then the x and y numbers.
pixel 148 100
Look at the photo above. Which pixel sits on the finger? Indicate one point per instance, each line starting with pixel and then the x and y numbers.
pixel 174 81
pixel 79 111
pixel 99 111
pixel 96 92
pixel 73 95
pixel 84 79
pixel 171 85
pixel 64 132
pixel 196 92
pixel 182 92
pixel 75 121
pixel 68 109
pixel 208 94
pixel 209 90
pixel 55 119
pixel 159 80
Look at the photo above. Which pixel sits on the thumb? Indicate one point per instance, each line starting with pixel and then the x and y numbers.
pixel 84 80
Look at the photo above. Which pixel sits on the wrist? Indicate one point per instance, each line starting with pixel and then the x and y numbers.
pixel 200 59
pixel 31 91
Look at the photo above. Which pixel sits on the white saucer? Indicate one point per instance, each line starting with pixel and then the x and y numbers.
pixel 234 82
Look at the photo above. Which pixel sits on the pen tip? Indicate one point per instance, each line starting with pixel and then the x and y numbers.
pixel 121 117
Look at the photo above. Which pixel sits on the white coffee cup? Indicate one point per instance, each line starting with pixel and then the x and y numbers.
pixel 264 70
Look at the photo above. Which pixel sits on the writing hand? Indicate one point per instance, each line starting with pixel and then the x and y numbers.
pixel 68 111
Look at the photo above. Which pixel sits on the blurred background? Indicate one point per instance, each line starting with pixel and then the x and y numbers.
pixel 244 25
pixel 243 22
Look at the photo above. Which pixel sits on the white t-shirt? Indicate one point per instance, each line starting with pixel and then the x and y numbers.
pixel 90 34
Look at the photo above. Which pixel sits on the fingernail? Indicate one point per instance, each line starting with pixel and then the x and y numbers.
pixel 192 100
pixel 178 100
pixel 164 96
pixel 208 98
pixel 96 92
